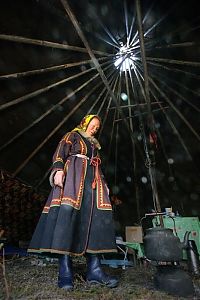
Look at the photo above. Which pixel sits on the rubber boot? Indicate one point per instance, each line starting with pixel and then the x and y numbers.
pixel 95 274
pixel 65 276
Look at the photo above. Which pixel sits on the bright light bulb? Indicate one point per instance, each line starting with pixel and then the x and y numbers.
pixel 124 96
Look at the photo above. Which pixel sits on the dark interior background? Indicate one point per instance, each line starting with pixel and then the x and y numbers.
pixel 175 35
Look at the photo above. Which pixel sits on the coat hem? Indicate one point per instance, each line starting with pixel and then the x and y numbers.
pixel 42 251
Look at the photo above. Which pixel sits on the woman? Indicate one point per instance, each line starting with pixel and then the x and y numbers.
pixel 77 218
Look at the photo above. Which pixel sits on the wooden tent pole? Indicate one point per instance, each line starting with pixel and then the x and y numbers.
pixel 150 116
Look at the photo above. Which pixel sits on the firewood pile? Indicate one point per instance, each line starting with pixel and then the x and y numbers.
pixel 20 209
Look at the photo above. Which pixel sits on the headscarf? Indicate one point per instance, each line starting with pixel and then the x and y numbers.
pixel 82 127
pixel 85 122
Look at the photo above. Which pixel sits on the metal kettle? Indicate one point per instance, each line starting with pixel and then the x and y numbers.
pixel 160 244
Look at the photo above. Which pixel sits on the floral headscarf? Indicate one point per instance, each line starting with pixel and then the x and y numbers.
pixel 82 127
pixel 85 122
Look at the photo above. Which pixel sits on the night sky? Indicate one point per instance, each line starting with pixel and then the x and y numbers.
pixel 32 108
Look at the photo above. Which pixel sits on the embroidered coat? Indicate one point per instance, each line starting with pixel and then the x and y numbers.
pixel 77 218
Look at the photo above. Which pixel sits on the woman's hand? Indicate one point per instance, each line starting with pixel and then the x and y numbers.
pixel 59 178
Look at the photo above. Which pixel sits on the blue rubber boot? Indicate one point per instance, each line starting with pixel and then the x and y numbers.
pixel 65 276
pixel 95 274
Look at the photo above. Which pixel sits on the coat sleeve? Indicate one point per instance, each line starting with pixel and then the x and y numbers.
pixel 61 154
pixel 101 174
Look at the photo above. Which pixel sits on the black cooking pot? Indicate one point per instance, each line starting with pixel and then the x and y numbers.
pixel 174 280
pixel 160 244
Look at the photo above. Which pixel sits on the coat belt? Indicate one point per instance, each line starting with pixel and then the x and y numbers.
pixel 94 161
pixel 81 156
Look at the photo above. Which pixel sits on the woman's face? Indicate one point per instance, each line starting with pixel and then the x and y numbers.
pixel 93 127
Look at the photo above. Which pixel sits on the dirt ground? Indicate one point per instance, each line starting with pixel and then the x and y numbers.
pixel 36 278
